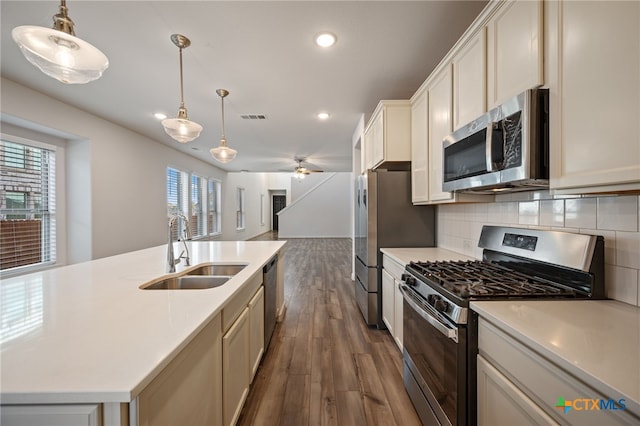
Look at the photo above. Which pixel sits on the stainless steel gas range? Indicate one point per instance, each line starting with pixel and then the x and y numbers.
pixel 440 331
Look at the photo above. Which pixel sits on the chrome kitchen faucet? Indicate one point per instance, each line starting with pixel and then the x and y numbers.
pixel 171 260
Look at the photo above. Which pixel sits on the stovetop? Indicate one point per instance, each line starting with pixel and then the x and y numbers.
pixel 516 263
pixel 478 279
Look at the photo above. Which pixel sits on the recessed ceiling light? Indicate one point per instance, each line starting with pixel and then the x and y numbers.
pixel 325 39
pixel 323 115
pixel 160 116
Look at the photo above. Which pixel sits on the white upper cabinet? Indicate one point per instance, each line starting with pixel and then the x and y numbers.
pixel 594 77
pixel 387 136
pixel 419 149
pixel 469 80
pixel 439 126
pixel 514 50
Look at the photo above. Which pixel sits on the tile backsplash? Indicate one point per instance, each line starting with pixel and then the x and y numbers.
pixel 616 218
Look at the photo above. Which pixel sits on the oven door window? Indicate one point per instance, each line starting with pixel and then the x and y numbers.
pixel 437 359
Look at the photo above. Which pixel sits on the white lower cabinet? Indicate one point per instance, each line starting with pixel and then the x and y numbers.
pixel 517 385
pixel 500 402
pixel 388 303
pixel 256 334
pixel 392 298
pixel 235 371
pixel 189 389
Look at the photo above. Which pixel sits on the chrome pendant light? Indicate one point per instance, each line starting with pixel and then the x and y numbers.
pixel 181 128
pixel 58 52
pixel 223 153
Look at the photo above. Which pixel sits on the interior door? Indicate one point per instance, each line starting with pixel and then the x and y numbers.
pixel 279 203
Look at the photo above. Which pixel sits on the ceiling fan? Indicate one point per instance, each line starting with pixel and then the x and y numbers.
pixel 300 172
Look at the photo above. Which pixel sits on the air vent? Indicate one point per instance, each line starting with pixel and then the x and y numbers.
pixel 253 116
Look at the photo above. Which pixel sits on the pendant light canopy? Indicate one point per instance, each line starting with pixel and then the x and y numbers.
pixel 58 52
pixel 181 128
pixel 223 153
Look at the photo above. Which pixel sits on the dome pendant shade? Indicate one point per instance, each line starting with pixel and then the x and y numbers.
pixel 181 128
pixel 59 53
pixel 223 153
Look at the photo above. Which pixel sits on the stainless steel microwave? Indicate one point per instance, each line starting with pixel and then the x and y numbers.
pixel 505 149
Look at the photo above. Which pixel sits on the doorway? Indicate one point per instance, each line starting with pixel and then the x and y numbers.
pixel 279 203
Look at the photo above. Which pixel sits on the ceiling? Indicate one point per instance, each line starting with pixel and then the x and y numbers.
pixel 263 53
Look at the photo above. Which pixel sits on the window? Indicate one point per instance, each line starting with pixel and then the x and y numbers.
pixel 214 212
pixel 198 206
pixel 240 213
pixel 27 205
pixel 197 198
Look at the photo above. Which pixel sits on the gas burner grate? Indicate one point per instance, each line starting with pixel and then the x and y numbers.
pixel 479 279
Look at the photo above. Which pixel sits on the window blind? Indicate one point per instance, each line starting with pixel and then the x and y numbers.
pixel 27 205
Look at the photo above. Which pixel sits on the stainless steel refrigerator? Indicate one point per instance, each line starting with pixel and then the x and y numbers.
pixel 385 217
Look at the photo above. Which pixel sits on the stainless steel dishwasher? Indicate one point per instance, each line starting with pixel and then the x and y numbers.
pixel 270 281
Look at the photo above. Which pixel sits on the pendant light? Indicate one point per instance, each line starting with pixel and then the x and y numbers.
pixel 181 128
pixel 223 153
pixel 58 52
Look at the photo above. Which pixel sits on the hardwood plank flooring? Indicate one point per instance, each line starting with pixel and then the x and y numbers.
pixel 324 365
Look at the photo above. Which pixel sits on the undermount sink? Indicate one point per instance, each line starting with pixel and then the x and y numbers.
pixel 199 278
pixel 187 282
pixel 227 270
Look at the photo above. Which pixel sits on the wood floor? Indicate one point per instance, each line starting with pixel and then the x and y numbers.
pixel 324 366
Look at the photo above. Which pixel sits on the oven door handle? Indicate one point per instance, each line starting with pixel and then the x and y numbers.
pixel 414 302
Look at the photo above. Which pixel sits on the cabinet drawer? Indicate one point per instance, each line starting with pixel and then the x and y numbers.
pixel 232 310
pixel 543 381
pixel 46 415
pixel 394 268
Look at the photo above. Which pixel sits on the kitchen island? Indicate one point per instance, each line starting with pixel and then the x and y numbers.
pixel 88 334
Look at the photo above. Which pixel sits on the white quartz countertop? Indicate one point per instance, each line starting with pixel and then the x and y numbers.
pixel 88 333
pixel 597 341
pixel 422 254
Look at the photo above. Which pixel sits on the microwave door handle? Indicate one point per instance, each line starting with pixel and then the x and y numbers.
pixel 450 333
pixel 491 166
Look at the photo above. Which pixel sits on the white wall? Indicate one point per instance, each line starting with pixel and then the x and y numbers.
pixel 302 186
pixel 325 211
pixel 116 185
pixel 615 218
pixel 255 185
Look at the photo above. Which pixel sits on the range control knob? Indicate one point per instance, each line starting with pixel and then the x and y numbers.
pixel 408 279
pixel 441 305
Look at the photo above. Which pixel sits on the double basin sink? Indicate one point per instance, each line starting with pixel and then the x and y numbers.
pixel 200 278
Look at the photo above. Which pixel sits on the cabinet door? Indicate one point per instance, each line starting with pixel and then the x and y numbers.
pixel 439 127
pixel 500 402
pixel 256 339
pixel 469 80
pixel 388 303
pixel 594 66
pixel 378 139
pixel 398 314
pixel 514 50
pixel 189 389
pixel 235 371
pixel 419 149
